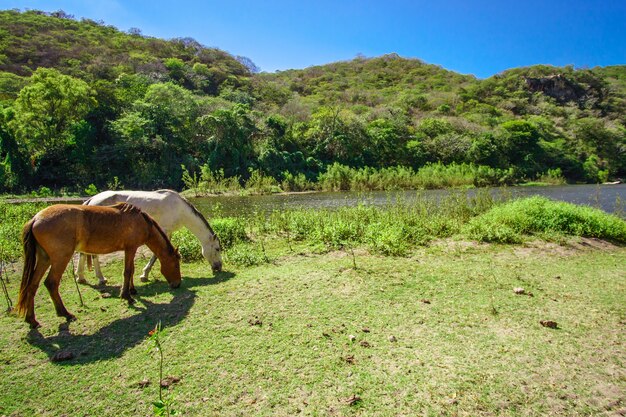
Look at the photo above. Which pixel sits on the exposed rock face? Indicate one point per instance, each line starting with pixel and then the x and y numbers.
pixel 558 87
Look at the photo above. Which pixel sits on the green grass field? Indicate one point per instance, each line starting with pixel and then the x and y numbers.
pixel 439 331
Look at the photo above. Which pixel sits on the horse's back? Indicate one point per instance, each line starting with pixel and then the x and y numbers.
pixel 165 206
pixel 107 198
pixel 89 229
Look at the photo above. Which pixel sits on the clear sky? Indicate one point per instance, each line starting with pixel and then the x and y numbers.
pixel 471 37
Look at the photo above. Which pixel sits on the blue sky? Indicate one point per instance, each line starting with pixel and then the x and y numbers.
pixel 471 37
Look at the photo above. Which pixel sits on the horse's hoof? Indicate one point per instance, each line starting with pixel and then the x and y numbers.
pixel 81 280
pixel 70 317
pixel 143 279
pixel 34 324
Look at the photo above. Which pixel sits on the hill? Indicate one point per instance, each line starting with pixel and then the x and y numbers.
pixel 83 103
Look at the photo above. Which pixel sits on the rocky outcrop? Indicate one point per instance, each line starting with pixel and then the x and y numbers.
pixel 557 87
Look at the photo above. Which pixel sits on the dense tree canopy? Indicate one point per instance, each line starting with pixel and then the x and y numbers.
pixel 83 103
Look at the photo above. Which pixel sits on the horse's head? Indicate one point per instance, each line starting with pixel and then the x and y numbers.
pixel 212 252
pixel 171 269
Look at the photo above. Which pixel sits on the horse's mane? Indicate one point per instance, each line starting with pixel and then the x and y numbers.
pixel 199 215
pixel 153 222
pixel 127 207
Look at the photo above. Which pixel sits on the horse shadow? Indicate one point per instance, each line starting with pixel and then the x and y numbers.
pixel 112 340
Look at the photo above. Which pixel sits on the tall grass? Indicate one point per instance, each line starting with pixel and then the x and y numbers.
pixel 14 216
pixel 539 216
pixel 432 176
pixel 338 177
pixel 390 230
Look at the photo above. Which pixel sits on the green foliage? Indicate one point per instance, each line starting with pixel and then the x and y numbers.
pixel 215 182
pixel 91 190
pixel 230 230
pixel 297 182
pixel 46 109
pixel 230 132
pixel 188 245
pixel 137 108
pixel 245 255
pixel 14 216
pixel 261 184
pixel 511 222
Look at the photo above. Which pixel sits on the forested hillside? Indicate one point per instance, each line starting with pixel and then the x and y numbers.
pixel 83 103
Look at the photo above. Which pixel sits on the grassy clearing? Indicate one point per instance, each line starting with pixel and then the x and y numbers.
pixel 316 314
pixel 440 332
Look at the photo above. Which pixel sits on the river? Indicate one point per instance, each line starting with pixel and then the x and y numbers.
pixel 610 198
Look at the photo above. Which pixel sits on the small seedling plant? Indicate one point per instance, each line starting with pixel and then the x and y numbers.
pixel 161 407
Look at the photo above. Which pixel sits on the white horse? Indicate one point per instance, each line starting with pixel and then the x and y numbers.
pixel 172 212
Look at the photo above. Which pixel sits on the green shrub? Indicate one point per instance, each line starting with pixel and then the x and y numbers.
pixel 261 184
pixel 508 223
pixel 389 240
pixel 91 190
pixel 14 216
pixel 188 245
pixel 296 182
pixel 230 230
pixel 244 255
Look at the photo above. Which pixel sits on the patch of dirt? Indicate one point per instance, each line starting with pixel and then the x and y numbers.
pixel 452 245
pixel 571 247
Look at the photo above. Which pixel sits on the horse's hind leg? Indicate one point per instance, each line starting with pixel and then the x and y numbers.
pixel 52 283
pixel 43 263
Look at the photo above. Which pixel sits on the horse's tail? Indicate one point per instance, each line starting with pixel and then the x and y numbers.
pixel 30 259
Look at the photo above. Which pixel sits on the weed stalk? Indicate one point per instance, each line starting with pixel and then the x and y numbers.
pixel 80 296
pixel 4 287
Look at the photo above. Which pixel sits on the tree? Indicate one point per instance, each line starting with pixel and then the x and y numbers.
pixel 519 140
pixel 158 134
pixel 387 141
pixel 47 108
pixel 335 135
pixel 230 139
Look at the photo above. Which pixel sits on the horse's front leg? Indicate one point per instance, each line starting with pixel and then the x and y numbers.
pixel 129 269
pixel 147 268
pixel 96 266
pixel 80 268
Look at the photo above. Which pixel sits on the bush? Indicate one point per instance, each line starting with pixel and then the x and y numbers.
pixel 14 216
pixel 188 245
pixel 388 240
pixel 244 255
pixel 230 230
pixel 296 182
pixel 508 223
pixel 261 184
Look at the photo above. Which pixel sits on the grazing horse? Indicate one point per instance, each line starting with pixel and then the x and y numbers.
pixel 51 237
pixel 172 212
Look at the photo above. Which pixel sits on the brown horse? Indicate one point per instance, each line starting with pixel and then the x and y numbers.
pixel 51 237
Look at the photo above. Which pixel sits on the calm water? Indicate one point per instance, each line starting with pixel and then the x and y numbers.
pixel 611 198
